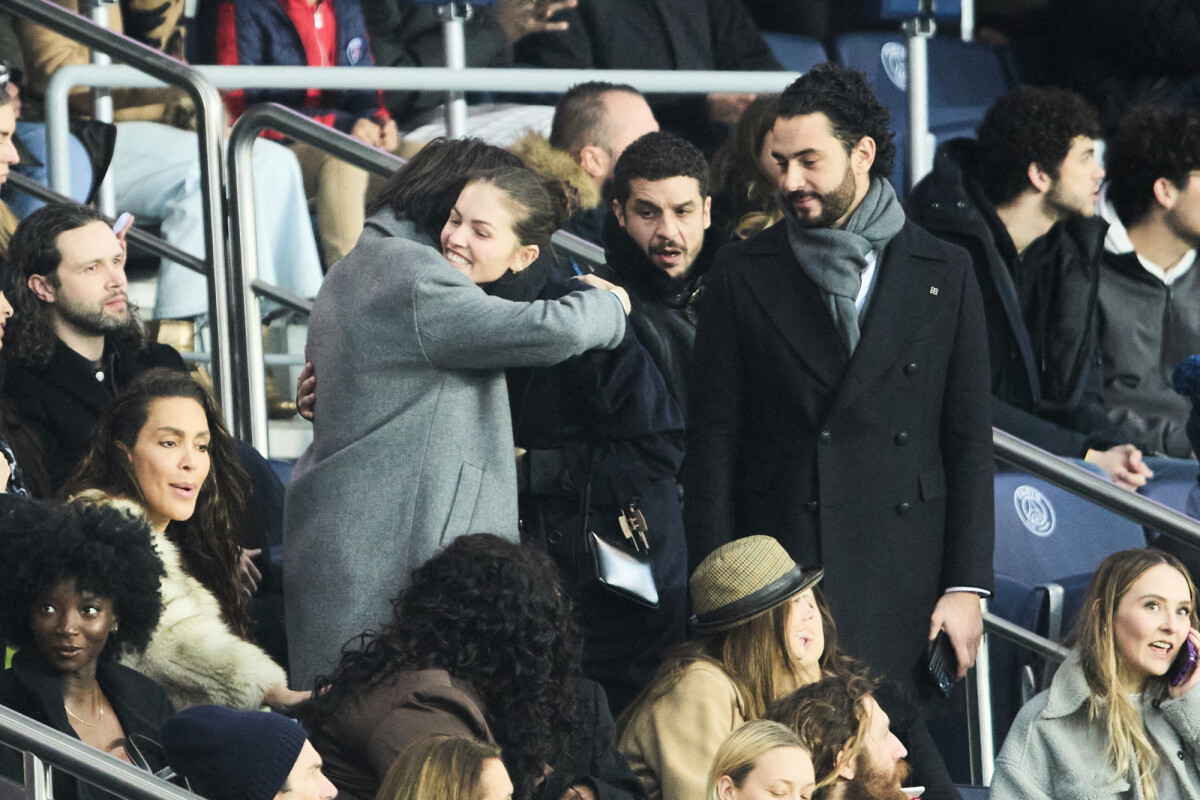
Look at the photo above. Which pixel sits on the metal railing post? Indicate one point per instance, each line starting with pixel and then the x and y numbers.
pixel 979 713
pixel 248 414
pixel 917 33
pixel 454 16
pixel 37 778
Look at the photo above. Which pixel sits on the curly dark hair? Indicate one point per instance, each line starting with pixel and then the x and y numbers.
pixel 828 715
pixel 33 250
pixel 489 612
pixel 1150 142
pixel 844 96
pixel 1029 125
pixel 209 541
pixel 106 550
pixel 655 157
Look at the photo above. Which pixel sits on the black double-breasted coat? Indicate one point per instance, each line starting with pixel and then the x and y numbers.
pixel 877 467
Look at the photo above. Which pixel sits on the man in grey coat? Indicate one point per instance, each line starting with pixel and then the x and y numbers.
pixel 413 444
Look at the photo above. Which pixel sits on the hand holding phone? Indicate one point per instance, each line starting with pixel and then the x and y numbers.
pixel 1184 664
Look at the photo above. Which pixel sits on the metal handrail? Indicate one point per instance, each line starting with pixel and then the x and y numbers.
pixel 387 78
pixel 209 119
pixel 1092 487
pixel 138 238
pixel 248 414
pixel 1030 641
pixel 44 746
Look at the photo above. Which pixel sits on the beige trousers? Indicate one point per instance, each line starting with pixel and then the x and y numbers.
pixel 339 192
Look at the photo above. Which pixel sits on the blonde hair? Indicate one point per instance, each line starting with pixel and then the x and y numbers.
pixel 737 755
pixel 438 768
pixel 1129 747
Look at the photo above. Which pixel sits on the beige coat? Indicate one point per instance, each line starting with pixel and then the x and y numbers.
pixel 671 743
pixel 156 23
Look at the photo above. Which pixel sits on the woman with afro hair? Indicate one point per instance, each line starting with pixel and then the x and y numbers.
pixel 78 589
pixel 482 644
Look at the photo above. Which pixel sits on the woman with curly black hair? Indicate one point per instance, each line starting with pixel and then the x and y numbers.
pixel 79 588
pixel 162 448
pixel 481 644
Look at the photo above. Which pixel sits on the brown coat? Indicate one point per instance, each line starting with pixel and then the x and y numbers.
pixel 155 23
pixel 363 739
pixel 671 743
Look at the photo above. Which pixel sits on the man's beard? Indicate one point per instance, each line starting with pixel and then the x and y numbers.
pixel 833 205
pixel 872 784
pixel 94 322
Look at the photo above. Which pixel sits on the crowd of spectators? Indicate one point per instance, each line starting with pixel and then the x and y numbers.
pixel 696 523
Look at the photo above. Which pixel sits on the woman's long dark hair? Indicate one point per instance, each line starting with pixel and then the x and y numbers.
pixel 21 440
pixel 489 612
pixel 209 541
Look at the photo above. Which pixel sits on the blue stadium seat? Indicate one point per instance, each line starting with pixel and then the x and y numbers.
pixel 964 80
pixel 282 469
pixel 1048 544
pixel 795 53
pixel 973 792
pixel 1171 493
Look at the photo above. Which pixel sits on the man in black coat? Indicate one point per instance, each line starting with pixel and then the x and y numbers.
pixel 1022 203
pixel 839 395
pixel 659 244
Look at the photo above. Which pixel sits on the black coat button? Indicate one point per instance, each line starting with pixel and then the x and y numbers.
pixel 554 537
pixel 910 368
pixel 826 437
pixel 902 508
pixel 1181 756
pixel 901 439
pixel 811 505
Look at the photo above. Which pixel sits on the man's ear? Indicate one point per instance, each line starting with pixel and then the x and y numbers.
pixel 725 788
pixel 862 155
pixel 844 764
pixel 707 212
pixel 1166 193
pixel 526 256
pixel 619 211
pixel 1039 178
pixel 595 161
pixel 40 286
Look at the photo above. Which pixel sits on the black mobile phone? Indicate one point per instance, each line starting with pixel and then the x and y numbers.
pixel 1184 664
pixel 942 664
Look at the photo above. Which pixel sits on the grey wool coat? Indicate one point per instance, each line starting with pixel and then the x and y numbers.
pixel 1054 752
pixel 412 441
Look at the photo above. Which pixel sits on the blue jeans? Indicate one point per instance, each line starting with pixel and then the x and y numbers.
pixel 33 136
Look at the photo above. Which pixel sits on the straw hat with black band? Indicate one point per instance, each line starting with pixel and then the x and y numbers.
pixel 744 579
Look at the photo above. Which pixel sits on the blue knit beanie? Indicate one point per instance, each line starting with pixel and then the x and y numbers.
pixel 232 755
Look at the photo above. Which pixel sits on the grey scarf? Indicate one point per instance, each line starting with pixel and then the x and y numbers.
pixel 834 258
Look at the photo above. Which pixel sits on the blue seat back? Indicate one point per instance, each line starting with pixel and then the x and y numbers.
pixel 1044 533
pixel 795 53
pixel 1171 493
pixel 964 80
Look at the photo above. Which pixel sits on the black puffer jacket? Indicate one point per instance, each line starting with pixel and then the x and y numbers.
pixel 1041 308
pixel 664 308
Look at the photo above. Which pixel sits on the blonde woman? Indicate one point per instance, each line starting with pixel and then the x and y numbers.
pixel 761 760
pixel 1111 725
pixel 447 768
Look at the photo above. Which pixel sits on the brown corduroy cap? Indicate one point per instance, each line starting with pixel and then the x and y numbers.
pixel 741 580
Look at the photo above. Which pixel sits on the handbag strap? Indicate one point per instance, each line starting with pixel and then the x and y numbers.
pixel 585 495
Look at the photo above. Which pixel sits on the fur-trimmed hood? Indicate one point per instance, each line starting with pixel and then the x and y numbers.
pixel 192 653
pixel 535 150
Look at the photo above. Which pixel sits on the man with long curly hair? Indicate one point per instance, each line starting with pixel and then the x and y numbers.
pixel 838 396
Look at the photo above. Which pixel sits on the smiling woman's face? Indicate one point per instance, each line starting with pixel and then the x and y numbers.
pixel 479 240
pixel 170 459
pixel 70 628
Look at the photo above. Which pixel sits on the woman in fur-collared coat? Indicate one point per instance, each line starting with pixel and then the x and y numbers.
pixel 163 442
